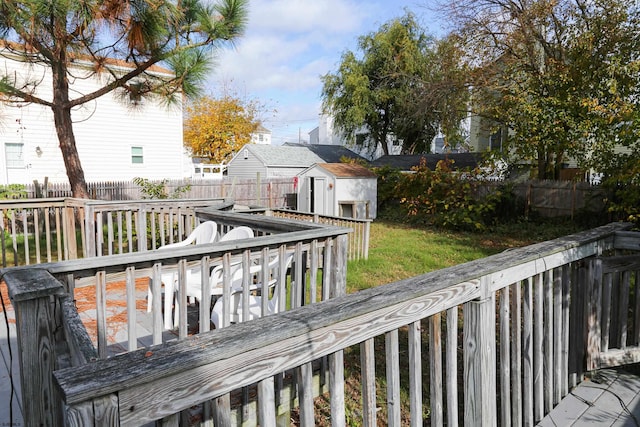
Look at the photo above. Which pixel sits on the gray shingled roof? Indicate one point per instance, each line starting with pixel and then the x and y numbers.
pixel 329 153
pixel 281 155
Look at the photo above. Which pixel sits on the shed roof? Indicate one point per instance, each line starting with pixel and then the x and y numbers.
pixel 298 155
pixel 347 170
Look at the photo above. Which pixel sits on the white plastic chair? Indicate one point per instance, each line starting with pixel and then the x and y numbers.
pixel 194 287
pixel 204 233
pixel 255 301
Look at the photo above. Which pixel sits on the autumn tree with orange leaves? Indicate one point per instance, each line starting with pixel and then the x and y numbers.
pixel 216 128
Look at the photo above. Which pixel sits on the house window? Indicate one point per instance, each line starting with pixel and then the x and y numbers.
pixel 136 155
pixel 15 155
pixel 361 138
pixel 260 137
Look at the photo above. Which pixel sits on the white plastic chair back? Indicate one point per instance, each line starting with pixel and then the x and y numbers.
pixel 241 232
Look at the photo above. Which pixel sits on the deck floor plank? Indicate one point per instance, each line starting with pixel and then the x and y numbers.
pixel 611 397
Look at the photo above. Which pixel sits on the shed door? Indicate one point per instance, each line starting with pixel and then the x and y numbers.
pixel 317 188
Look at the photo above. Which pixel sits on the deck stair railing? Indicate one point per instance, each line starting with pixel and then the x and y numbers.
pixel 500 340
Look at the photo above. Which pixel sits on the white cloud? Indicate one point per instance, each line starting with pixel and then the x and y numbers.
pixel 288 45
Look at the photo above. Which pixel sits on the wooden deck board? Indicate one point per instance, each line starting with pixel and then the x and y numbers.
pixel 610 397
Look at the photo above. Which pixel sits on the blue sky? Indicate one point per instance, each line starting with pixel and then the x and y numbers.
pixel 289 44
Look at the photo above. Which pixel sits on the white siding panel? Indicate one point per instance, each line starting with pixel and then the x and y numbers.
pixel 105 131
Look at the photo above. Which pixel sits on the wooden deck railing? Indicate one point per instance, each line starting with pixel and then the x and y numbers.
pixel 111 317
pixel 498 340
pixel 48 230
pixel 360 228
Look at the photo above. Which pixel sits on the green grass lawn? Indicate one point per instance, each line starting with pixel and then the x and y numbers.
pixel 398 251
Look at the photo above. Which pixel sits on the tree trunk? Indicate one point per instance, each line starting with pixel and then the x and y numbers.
pixel 67 140
pixel 64 128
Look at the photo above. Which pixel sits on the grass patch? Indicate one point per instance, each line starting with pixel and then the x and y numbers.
pixel 398 251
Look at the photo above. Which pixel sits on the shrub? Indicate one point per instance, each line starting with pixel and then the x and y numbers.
pixel 13 191
pixel 450 199
pixel 151 190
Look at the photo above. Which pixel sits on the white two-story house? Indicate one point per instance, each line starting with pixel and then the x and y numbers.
pixel 115 140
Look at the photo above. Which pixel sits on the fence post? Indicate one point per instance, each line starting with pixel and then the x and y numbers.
pixel 69 231
pixel 30 292
pixel 480 363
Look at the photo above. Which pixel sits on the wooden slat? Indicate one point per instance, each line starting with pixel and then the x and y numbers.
pixel 527 354
pixel 305 390
pixel 435 370
pixel 368 375
pixel 266 399
pixel 623 312
pixel 516 355
pixel 336 383
pixel 548 362
pixel 538 347
pixel 415 374
pixel 505 354
pixel 101 312
pixel 566 327
pixel 452 367
pixel 594 301
pixel 557 327
pixel 479 362
pixel 393 378
pixel 132 321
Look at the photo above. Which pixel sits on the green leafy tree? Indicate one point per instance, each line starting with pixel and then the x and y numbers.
pixel 383 91
pixel 178 35
pixel 562 76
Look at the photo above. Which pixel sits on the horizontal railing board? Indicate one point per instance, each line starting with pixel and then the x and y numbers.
pixel 620 263
pixel 627 240
pixel 113 263
pixel 321 328
pixel 264 223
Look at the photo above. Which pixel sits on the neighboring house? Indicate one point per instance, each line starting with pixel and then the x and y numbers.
pixel 327 134
pixel 282 160
pixel 338 189
pixel 262 135
pixel 114 141
pixel 475 131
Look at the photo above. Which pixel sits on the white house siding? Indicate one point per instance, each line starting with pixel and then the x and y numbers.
pixel 105 132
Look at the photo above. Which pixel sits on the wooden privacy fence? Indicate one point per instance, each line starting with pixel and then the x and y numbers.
pixel 268 192
pixel 500 340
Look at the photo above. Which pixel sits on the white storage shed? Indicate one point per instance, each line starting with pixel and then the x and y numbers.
pixel 338 189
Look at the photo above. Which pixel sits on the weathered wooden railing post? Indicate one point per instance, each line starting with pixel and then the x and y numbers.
pixel 31 293
pixel 480 362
